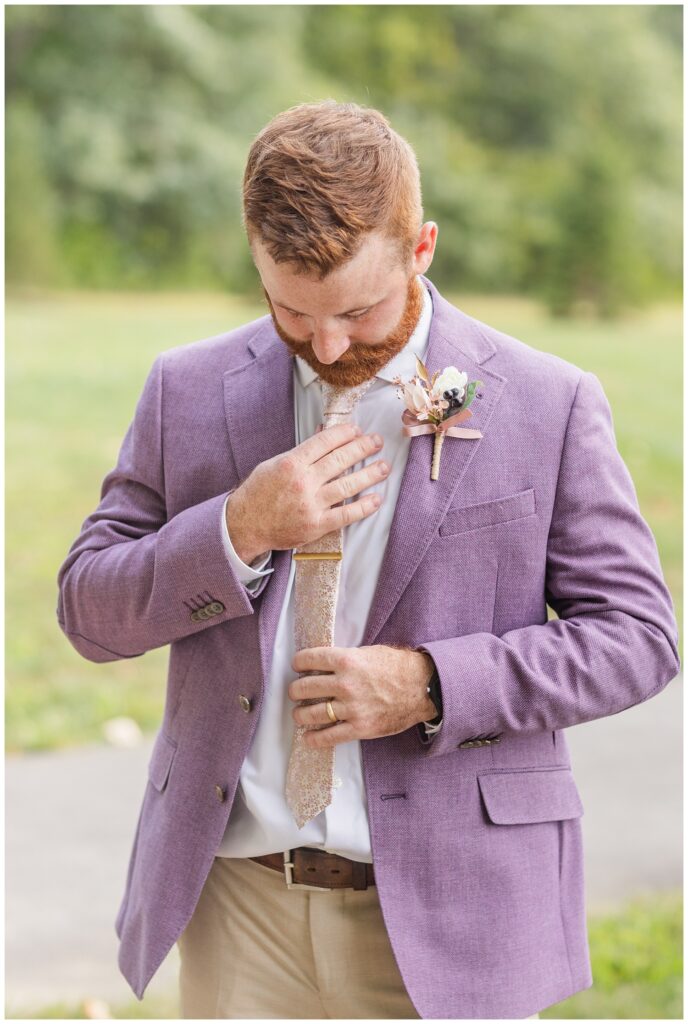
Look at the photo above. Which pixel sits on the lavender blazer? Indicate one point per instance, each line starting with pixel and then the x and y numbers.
pixel 476 834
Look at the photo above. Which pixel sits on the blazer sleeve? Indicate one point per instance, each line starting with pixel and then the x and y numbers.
pixel 133 579
pixel 615 642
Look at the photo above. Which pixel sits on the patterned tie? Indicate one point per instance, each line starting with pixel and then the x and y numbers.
pixel 310 773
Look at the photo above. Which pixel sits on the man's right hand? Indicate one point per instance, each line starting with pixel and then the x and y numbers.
pixel 293 498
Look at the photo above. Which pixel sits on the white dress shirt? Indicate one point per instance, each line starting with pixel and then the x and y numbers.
pixel 260 820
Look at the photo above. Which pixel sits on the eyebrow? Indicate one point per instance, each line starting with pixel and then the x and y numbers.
pixel 356 309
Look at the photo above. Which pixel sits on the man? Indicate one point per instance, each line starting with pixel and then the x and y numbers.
pixel 436 870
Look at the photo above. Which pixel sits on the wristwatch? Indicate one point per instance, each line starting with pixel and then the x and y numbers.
pixel 433 688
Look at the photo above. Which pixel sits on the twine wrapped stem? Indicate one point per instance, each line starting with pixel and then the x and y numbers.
pixel 436 454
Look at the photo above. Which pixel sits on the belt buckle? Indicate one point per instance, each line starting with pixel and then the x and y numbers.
pixel 289 877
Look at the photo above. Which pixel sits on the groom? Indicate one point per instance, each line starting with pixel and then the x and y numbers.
pixel 444 876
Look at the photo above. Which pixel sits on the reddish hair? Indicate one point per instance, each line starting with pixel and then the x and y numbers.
pixel 320 176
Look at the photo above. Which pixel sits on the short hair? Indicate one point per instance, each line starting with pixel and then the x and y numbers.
pixel 321 176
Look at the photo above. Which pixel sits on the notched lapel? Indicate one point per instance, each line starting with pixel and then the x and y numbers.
pixel 259 403
pixel 259 409
pixel 422 503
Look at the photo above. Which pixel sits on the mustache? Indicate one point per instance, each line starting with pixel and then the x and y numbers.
pixel 359 353
pixel 361 360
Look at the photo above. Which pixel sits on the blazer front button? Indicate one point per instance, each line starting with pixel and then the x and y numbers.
pixel 219 792
pixel 245 702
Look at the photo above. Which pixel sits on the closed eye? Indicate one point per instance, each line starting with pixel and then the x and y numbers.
pixel 345 316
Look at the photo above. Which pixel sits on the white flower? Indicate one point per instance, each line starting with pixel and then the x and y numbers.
pixel 448 379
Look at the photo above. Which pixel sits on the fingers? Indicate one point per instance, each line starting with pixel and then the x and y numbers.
pixel 341 459
pixel 352 483
pixel 330 454
pixel 343 515
pixel 320 739
pixel 315 715
pixel 320 730
pixel 326 440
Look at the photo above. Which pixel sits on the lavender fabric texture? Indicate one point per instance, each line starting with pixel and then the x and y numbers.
pixel 477 846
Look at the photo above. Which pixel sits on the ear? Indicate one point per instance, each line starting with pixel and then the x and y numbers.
pixel 425 247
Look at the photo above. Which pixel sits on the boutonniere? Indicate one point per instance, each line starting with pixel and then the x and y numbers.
pixel 437 406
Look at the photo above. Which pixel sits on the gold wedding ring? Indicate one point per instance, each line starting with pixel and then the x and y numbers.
pixel 330 712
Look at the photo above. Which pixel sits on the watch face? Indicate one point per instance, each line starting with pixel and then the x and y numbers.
pixel 435 692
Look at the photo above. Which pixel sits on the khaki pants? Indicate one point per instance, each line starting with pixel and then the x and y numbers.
pixel 255 949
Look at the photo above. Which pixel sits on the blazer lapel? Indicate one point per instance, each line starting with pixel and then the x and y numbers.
pixel 454 340
pixel 259 409
pixel 259 402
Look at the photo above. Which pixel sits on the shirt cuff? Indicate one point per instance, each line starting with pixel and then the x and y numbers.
pixel 432 729
pixel 248 574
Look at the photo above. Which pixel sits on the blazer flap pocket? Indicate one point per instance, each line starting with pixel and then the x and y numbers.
pixel 487 513
pixel 160 763
pixel 530 795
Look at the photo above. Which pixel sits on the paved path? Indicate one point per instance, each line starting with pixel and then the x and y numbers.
pixel 70 820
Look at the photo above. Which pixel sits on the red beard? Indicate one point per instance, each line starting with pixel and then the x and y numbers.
pixel 363 361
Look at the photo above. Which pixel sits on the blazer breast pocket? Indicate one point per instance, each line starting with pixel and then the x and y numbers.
pixel 488 513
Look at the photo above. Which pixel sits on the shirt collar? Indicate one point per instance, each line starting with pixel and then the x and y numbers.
pixel 403 363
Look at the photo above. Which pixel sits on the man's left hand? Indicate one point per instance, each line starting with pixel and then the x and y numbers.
pixel 375 691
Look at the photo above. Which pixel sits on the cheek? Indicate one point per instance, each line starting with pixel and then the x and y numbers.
pixel 375 330
pixel 292 328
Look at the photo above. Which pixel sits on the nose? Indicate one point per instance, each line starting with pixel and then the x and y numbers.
pixel 329 344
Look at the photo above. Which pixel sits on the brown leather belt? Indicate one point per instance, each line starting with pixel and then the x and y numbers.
pixel 307 866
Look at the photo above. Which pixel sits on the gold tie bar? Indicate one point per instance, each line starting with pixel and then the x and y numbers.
pixel 318 554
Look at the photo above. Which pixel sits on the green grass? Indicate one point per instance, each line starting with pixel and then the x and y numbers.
pixel 75 365
pixel 637 966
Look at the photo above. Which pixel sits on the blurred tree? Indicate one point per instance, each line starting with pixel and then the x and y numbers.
pixel 595 260
pixel 498 100
pixel 147 112
pixel 145 115
pixel 31 247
